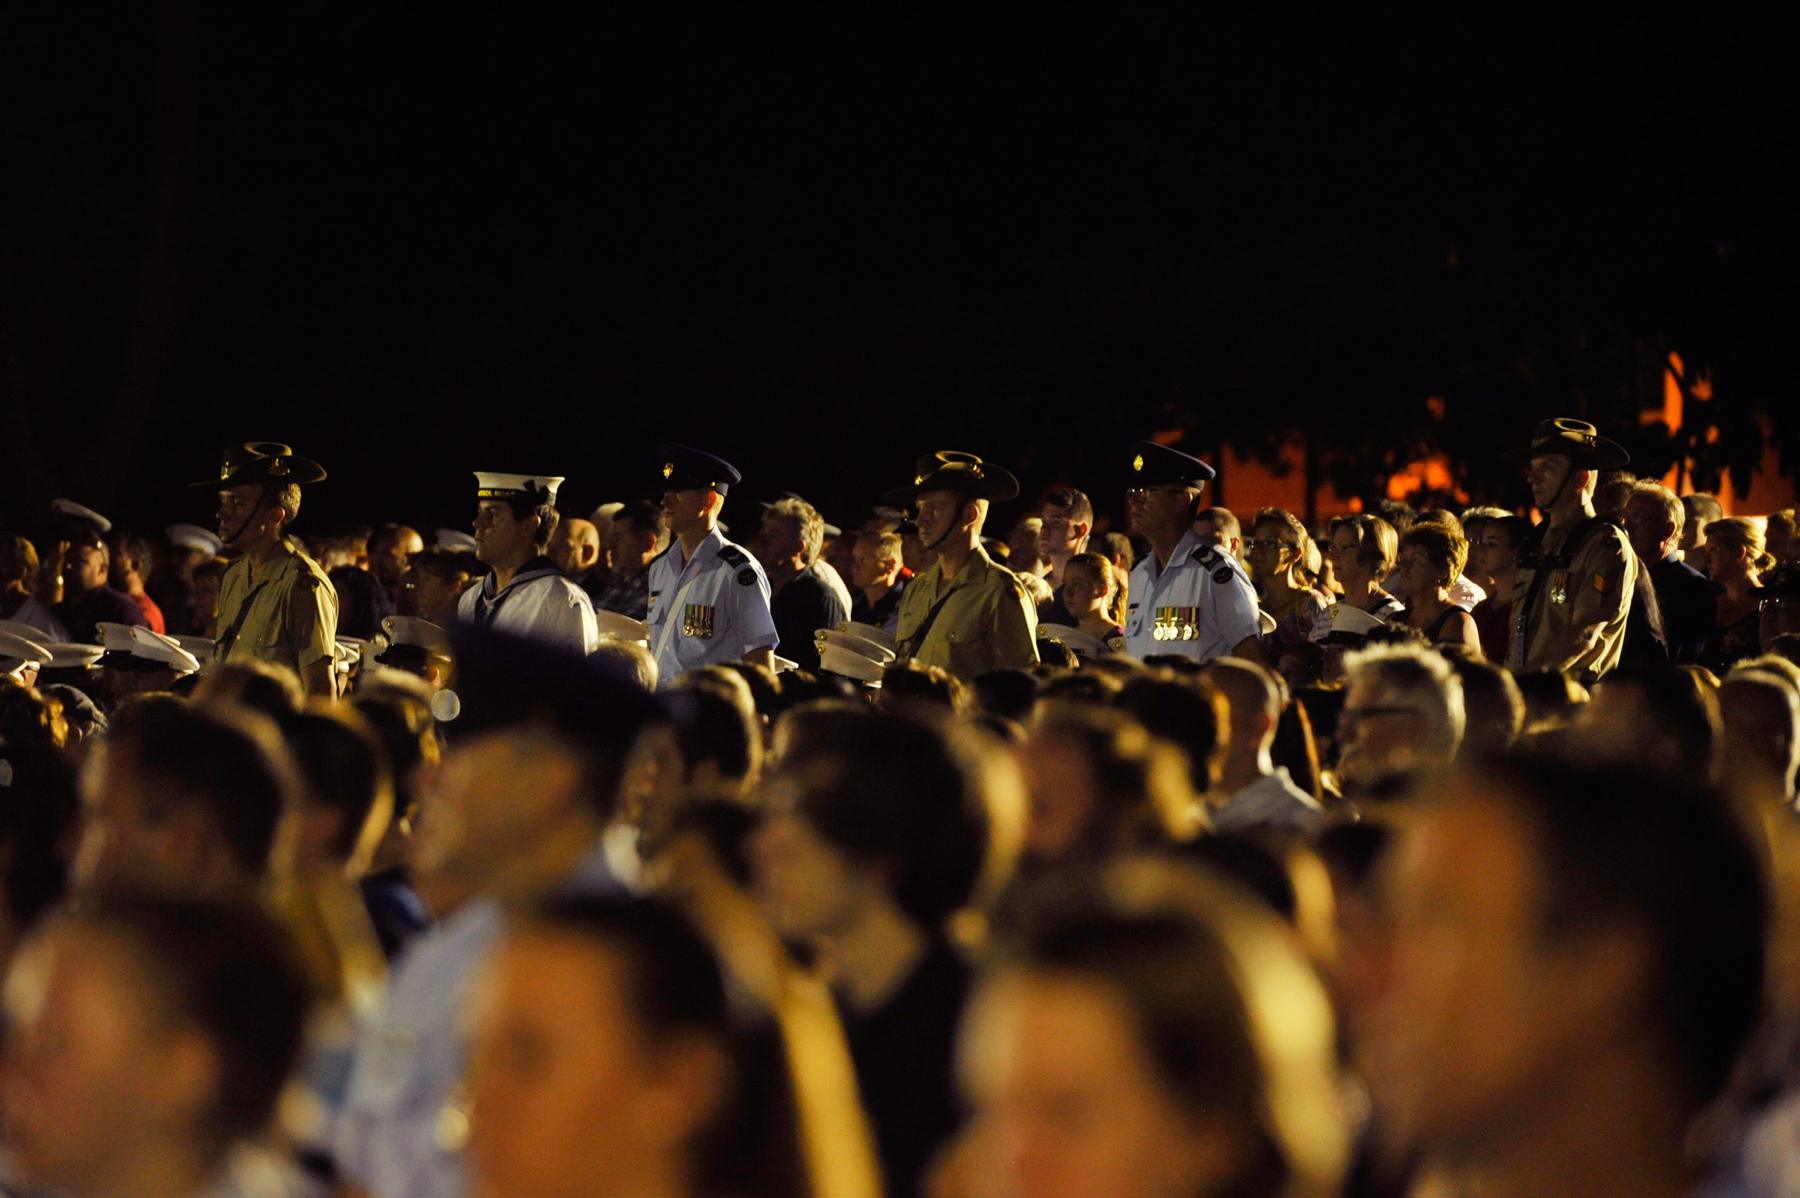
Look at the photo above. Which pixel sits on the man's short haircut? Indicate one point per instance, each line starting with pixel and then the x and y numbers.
pixel 1117 544
pixel 1764 702
pixel 442 564
pixel 1682 713
pixel 18 561
pixel 1252 684
pixel 1673 509
pixel 230 768
pixel 287 496
pixel 635 656
pixel 1493 708
pixel 716 722
pixel 893 794
pixel 268 687
pixel 388 533
pixel 644 517
pixel 1444 545
pixel 228 970
pixel 344 768
pixel 1669 859
pixel 1377 544
pixel 807 522
pixel 1080 507
pixel 887 544
pixel 133 547
pixel 1223 519
pixel 673 983
pixel 1703 507
pixel 932 685
pixel 1420 674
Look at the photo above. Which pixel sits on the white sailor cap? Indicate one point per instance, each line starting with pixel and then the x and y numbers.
pixel 204 648
pixel 347 651
pixel 450 538
pixel 1084 644
pixel 615 627
pixel 74 516
pixel 1347 625
pixel 784 665
pixel 192 536
pixel 872 632
pixel 17 653
pixel 411 641
pixel 132 647
pixel 838 659
pixel 851 655
pixel 539 488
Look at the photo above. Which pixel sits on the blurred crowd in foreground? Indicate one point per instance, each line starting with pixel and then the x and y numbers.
pixel 1424 854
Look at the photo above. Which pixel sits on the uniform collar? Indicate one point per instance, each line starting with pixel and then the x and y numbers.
pixel 972 572
pixel 537 567
pixel 1190 545
pixel 709 546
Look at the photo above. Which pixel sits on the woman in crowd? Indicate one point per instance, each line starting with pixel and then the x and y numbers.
pixel 1094 593
pixel 1735 557
pixel 1363 552
pixel 1150 1034
pixel 1277 547
pixel 1494 559
pixel 1431 560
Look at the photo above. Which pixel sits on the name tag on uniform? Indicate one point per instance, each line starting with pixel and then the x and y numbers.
pixel 697 620
pixel 1176 624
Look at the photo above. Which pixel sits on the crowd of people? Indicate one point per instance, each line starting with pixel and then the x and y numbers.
pixel 1420 853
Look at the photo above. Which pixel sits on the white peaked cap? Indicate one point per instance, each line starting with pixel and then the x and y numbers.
pixel 872 632
pixel 449 538
pixel 1346 618
pixel 68 507
pixel 141 643
pixel 411 630
pixel 192 536
pixel 615 627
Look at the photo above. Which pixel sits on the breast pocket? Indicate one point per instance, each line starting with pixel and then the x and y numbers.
pixel 1134 619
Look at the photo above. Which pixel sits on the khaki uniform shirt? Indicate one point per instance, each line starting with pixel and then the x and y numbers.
pixel 288 610
pixel 987 622
pixel 1596 587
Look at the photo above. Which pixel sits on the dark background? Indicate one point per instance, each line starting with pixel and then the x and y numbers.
pixel 423 242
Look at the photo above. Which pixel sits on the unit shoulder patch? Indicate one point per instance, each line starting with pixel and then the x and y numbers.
pixel 1222 575
pixel 746 576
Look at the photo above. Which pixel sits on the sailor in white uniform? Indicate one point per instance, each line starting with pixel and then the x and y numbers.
pixel 709 599
pixel 524 593
pixel 1186 596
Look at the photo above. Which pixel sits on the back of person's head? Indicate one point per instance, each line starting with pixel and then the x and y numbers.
pixel 1552 699
pixel 262 686
pixel 229 768
pixel 1655 716
pixel 1253 699
pixel 1397 513
pixel 1493 709
pixel 1101 783
pixel 1295 750
pixel 1008 694
pixel 913 686
pixel 1222 519
pixel 409 740
pixel 1759 716
pixel 764 684
pixel 38 813
pixel 343 771
pixel 1190 714
pixel 673 983
pixel 223 969
pixel 717 726
pixel 28 716
pixel 1078 686
pixel 1202 975
pixel 635 657
pixel 893 794
pixel 1652 855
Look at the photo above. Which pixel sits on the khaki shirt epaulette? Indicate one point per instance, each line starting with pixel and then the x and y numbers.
pixel 987 622
pixel 286 612
pixel 1595 589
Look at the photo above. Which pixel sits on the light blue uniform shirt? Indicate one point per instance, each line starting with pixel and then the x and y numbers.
pixel 392 1137
pixel 708 609
pixel 1201 605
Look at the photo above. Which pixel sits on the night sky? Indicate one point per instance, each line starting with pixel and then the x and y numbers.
pixel 416 244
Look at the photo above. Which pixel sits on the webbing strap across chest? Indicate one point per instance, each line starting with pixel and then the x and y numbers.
pixel 1542 565
pixel 231 634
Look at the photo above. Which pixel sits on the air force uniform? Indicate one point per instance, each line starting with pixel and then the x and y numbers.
pixel 1201 603
pixel 539 601
pixel 712 607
